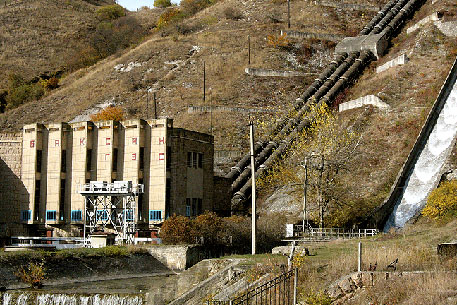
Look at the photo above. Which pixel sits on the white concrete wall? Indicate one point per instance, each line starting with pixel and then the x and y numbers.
pixel 400 60
pixel 422 22
pixel 362 101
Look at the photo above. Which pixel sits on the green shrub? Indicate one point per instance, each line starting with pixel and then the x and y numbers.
pixel 112 36
pixel 110 12
pixel 162 3
pixel 442 201
pixel 21 92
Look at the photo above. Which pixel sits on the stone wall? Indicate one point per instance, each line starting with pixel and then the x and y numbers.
pixel 178 257
pixel 12 190
pixel 206 287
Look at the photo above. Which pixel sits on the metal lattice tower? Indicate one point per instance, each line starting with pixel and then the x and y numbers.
pixel 111 206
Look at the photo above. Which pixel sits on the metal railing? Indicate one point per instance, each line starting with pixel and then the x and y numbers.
pixel 282 290
pixel 117 187
pixel 332 233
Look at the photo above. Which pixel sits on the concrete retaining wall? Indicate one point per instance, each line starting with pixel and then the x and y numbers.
pixel 204 109
pixel 362 101
pixel 206 287
pixel 400 60
pixel 308 35
pixel 276 73
pixel 422 22
pixel 178 257
pixel 448 28
pixel 348 6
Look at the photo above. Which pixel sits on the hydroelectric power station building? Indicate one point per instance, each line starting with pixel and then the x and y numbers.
pixel 44 168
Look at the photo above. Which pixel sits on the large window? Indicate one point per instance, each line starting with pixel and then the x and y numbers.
pixel 102 215
pixel 141 158
pixel 39 159
pixel 89 160
pixel 194 206
pixel 62 199
pixel 51 215
pixel 188 212
pixel 37 198
pixel 76 215
pixel 194 160
pixel 63 162
pixel 26 215
pixel 115 153
pixel 155 215
pixel 129 216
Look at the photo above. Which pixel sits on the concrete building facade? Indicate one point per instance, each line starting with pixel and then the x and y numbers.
pixel 51 162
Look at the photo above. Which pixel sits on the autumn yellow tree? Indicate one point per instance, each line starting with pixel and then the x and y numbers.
pixel 109 113
pixel 315 158
pixel 442 201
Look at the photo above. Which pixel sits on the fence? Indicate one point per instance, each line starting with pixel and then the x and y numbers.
pixel 281 290
pixel 331 233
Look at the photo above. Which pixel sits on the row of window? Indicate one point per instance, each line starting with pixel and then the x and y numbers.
pixel 63 160
pixel 76 215
pixel 194 159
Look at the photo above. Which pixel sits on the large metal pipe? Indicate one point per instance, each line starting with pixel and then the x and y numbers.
pixel 241 179
pixel 375 20
pixel 239 167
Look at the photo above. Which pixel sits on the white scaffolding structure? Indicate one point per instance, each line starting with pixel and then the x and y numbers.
pixel 111 206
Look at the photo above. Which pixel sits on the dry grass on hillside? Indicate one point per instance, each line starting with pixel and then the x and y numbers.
pixel 168 65
pixel 415 248
pixel 387 137
pixel 41 36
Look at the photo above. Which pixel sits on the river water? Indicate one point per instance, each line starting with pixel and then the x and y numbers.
pixel 151 290
pixel 427 170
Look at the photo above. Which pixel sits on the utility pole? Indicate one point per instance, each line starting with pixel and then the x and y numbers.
pixel 211 109
pixel 321 207
pixel 155 106
pixel 305 188
pixel 288 14
pixel 249 49
pixel 254 227
pixel 147 103
pixel 204 81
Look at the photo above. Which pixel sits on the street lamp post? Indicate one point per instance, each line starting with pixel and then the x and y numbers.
pixel 305 187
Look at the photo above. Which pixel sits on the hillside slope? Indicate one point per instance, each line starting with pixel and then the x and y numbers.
pixel 39 36
pixel 171 61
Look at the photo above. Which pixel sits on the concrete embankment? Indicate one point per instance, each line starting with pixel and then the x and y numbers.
pixel 68 269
